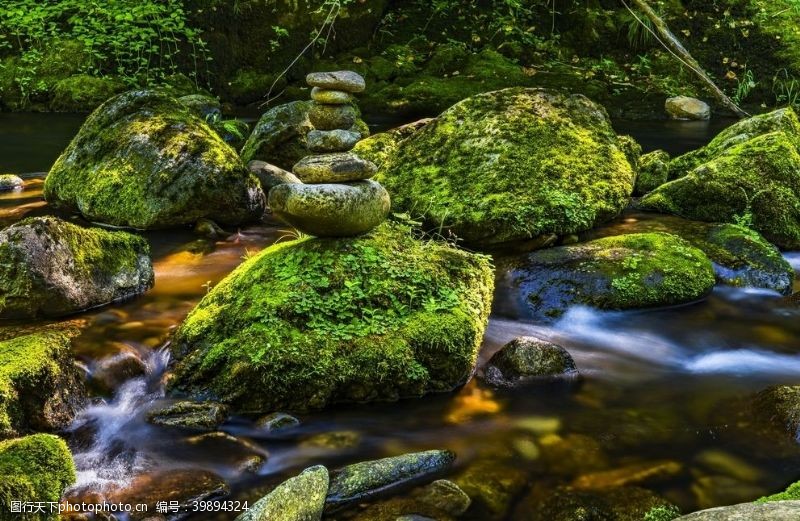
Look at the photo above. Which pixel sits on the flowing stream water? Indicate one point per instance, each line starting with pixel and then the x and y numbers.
pixel 657 384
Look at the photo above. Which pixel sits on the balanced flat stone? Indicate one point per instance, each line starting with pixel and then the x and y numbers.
pixel 332 117
pixel 331 210
pixel 332 140
pixel 334 168
pixel 331 97
pixel 347 81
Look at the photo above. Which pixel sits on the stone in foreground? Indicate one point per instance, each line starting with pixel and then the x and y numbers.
pixel 301 498
pixel 528 359
pixel 306 324
pixel 363 481
pixel 621 272
pixel 776 511
pixel 34 469
pixel 331 210
pixel 41 389
pixel 684 107
pixel 512 165
pixel 347 81
pixel 332 140
pixel 334 168
pixel 50 268
pixel 143 160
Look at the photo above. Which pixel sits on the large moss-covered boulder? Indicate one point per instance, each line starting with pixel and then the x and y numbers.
pixel 40 387
pixel 510 165
pixel 144 160
pixel 279 137
pixel 33 470
pixel 319 321
pixel 49 267
pixel 755 182
pixel 620 272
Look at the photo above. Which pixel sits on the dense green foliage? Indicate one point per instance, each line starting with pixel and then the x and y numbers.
pixel 327 320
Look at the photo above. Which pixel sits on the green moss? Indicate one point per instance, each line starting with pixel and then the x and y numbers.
pixel 332 320
pixel 248 86
pixel 653 172
pixel 83 93
pixel 37 382
pixel 662 513
pixel 34 469
pixel 143 160
pixel 511 165
pixel 756 181
pixel 620 272
pixel 792 493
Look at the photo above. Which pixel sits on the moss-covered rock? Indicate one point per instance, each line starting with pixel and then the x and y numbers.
pixel 653 172
pixel 40 388
pixel 614 504
pixel 49 267
pixel 279 137
pixel 200 416
pixel 34 469
pixel 619 272
pixel 318 321
pixel 779 408
pixel 512 165
pixel 756 181
pixel 9 182
pixel 83 93
pixel 527 359
pixel 205 107
pixel 143 160
pixel 379 148
pixel 301 498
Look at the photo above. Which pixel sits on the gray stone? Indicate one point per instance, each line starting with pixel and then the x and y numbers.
pixel 10 182
pixel 365 480
pixel 201 416
pixel 340 167
pixel 684 107
pixel 331 210
pixel 347 81
pixel 774 511
pixel 203 106
pixel 279 136
pixel 301 498
pixel 332 117
pixel 527 359
pixel 337 140
pixel 270 175
pixel 277 421
pixel 331 97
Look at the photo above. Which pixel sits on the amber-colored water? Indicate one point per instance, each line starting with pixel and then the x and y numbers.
pixel 656 386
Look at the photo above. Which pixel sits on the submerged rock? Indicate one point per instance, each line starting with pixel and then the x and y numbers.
pixel 301 498
pixel 331 210
pixel 742 179
pixel 277 421
pixel 366 480
pixel 112 371
pixel 201 416
pixel 41 389
pixel 619 272
pixel 492 485
pixel 684 107
pixel 512 165
pixel 10 182
pixel 308 323
pixel 143 160
pixel 34 469
pixel 618 504
pixel 527 359
pixel 49 268
pixel 442 500
pixel 779 406
pixel 777 511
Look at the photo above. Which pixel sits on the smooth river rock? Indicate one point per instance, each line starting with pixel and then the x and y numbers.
pixel 331 210
pixel 347 81
pixel 337 140
pixel 368 479
pixel 301 498
pixel 331 97
pixel 10 182
pixel 684 107
pixel 270 175
pixel 341 167
pixel 201 416
pixel 527 359
pixel 332 117
pixel 774 511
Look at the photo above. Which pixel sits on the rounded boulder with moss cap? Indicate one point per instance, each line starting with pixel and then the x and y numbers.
pixel 313 322
pixel 35 469
pixel 331 210
pixel 9 182
pixel 143 160
pixel 50 268
pixel 634 271
pixel 512 165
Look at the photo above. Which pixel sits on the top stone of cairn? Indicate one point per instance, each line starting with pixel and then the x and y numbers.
pixel 347 81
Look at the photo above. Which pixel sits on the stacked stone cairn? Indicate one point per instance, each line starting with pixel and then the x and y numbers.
pixel 336 197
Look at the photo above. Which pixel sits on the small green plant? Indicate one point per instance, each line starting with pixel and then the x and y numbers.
pixel 227 128
pixel 786 88
pixel 662 513
pixel 638 31
pixel 746 217
pixel 744 86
